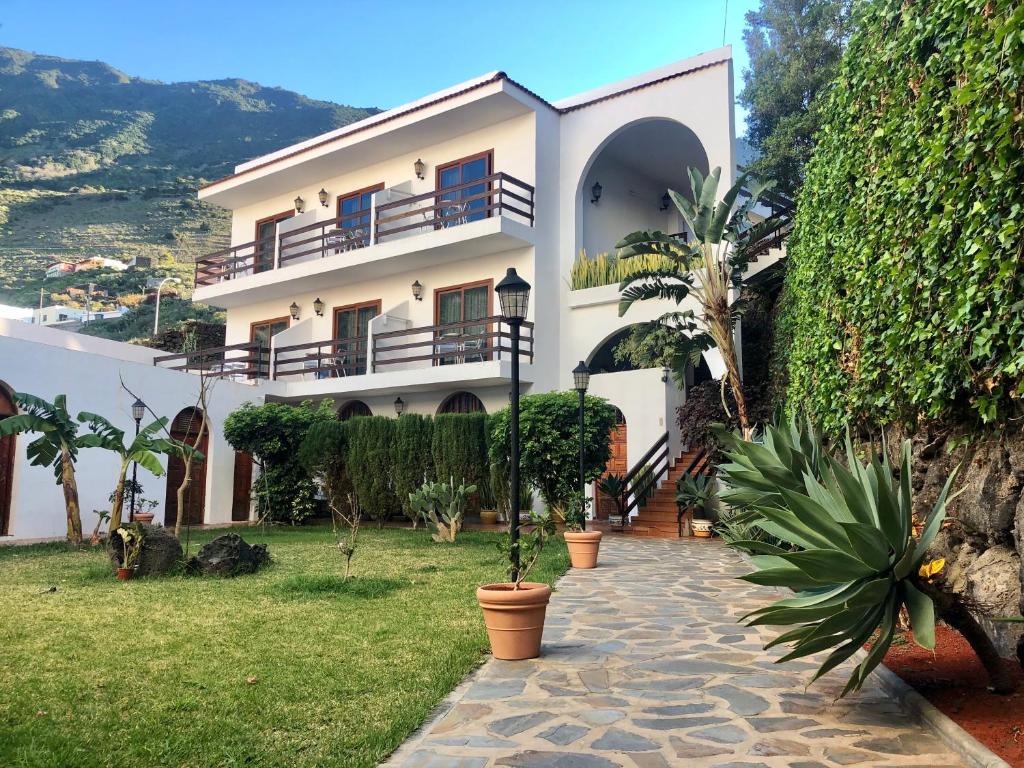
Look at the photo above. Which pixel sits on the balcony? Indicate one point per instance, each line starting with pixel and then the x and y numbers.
pixel 494 207
pixel 240 362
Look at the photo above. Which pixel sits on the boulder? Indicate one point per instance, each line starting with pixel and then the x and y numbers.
pixel 228 555
pixel 161 551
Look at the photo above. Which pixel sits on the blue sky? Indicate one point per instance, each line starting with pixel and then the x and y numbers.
pixel 379 53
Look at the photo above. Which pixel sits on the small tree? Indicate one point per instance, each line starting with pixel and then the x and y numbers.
pixel 412 461
pixel 550 443
pixel 56 447
pixel 324 454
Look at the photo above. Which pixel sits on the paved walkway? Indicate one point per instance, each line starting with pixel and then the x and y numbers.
pixel 644 666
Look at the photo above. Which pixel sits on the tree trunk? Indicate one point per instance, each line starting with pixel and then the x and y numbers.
pixel 951 609
pixel 117 506
pixel 727 349
pixel 70 485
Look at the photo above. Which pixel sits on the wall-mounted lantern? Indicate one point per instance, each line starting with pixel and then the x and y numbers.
pixel 293 310
pixel 666 201
pixel 595 192
pixel 324 197
pixel 399 406
pixel 664 373
pixel 419 167
pixel 300 204
pixel 318 307
pixel 417 291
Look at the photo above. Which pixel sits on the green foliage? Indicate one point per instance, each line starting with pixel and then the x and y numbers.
pixel 576 511
pixel 324 455
pixel 132 535
pixel 856 560
pixel 370 461
pixel 442 506
pixel 459 448
pixel 413 461
pixel 539 528
pixel 904 292
pixel 614 486
pixel 550 439
pixel 273 434
pixel 794 48
pixel 695 491
pixel 609 269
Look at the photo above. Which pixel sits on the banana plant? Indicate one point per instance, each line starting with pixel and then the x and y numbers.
pixel 854 561
pixel 709 268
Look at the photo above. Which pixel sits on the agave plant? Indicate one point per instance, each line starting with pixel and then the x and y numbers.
pixel 855 561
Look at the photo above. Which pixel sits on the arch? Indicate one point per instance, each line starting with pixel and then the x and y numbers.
pixel 461 402
pixel 639 161
pixel 353 408
pixel 8 450
pixel 602 359
pixel 186 427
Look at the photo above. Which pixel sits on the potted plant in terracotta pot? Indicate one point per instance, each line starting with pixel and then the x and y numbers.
pixel 583 545
pixel 514 610
pixel 131 536
pixel 488 501
pixel 694 495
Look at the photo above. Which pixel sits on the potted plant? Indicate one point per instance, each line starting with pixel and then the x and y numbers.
pixel 144 510
pixel 614 487
pixel 583 545
pixel 514 610
pixel 694 494
pixel 488 502
pixel 131 536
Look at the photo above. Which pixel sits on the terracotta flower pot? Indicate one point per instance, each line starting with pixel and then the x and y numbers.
pixel 514 618
pixel 702 528
pixel 583 547
pixel 146 518
pixel 489 516
pixel 125 574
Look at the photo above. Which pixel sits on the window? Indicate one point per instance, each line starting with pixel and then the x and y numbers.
pixel 460 339
pixel 354 211
pixel 462 402
pixel 262 332
pixel 352 331
pixel 461 204
pixel 266 234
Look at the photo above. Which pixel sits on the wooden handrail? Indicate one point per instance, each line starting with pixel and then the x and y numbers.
pixel 212 360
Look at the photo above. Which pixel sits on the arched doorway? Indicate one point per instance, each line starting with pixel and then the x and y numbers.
pixel 354 408
pixel 462 402
pixel 185 427
pixel 617 465
pixel 8 448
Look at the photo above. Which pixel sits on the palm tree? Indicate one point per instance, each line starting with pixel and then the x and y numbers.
pixel 56 447
pixel 710 269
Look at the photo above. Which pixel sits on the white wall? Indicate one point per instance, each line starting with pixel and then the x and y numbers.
pixel 89 371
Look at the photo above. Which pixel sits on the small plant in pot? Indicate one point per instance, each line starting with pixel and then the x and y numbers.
pixel 583 545
pixel 694 495
pixel 514 610
pixel 132 536
pixel 488 502
pixel 614 487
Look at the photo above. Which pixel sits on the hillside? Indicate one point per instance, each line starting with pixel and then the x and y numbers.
pixel 96 162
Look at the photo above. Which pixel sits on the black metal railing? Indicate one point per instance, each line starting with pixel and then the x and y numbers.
pixel 466 341
pixel 331 359
pixel 243 361
pixel 642 480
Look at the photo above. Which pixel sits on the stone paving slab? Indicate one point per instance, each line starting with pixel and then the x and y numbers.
pixel 644 666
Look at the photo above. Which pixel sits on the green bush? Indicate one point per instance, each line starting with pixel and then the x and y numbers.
pixel 412 458
pixel 459 448
pixel 904 293
pixel 609 269
pixel 324 454
pixel 370 463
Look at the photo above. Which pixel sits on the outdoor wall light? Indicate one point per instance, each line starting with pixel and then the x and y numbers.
pixel 419 167
pixel 318 307
pixel 595 192
pixel 324 197
pixel 399 406
pixel 666 201
pixel 417 291
pixel 293 310
pixel 300 204
pixel 664 373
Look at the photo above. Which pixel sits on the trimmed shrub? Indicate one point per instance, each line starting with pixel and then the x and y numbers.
pixel 459 448
pixel 412 458
pixel 370 461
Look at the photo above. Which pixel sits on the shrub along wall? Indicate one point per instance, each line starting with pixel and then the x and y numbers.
pixel 905 292
pixel 459 448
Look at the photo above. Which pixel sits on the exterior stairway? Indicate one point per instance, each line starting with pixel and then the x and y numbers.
pixel 658 518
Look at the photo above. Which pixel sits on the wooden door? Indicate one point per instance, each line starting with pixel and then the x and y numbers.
pixel 242 487
pixel 185 427
pixel 617 465
pixel 8 446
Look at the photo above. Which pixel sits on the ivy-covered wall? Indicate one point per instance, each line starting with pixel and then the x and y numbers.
pixel 904 298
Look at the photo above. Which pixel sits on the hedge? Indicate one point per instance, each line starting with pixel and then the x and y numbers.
pixel 412 462
pixel 459 448
pixel 904 298
pixel 370 448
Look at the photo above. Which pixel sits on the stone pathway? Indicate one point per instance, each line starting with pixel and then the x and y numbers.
pixel 644 666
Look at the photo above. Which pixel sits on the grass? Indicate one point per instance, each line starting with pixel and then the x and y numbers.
pixel 288 667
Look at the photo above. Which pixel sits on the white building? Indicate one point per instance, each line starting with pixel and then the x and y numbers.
pixel 10 312
pixel 56 314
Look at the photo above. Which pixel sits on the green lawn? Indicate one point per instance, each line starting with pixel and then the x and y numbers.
pixel 283 668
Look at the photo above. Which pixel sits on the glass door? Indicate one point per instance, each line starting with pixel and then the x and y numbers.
pixel 354 211
pixel 351 333
pixel 458 205
pixel 261 333
pixel 459 340
pixel 266 235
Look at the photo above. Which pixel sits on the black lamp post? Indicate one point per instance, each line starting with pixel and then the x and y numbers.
pixel 581 380
pixel 138 411
pixel 514 297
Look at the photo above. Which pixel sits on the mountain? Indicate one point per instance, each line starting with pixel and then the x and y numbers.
pixel 96 162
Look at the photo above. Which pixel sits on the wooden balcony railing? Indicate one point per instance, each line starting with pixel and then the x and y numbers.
pixel 329 359
pixel 467 341
pixel 496 195
pixel 242 361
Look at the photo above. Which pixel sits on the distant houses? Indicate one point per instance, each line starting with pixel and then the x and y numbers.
pixel 60 268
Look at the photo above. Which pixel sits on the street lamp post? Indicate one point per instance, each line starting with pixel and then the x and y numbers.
pixel 156 317
pixel 514 296
pixel 138 411
pixel 581 380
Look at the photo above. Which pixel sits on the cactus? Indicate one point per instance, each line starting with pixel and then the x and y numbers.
pixel 442 506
